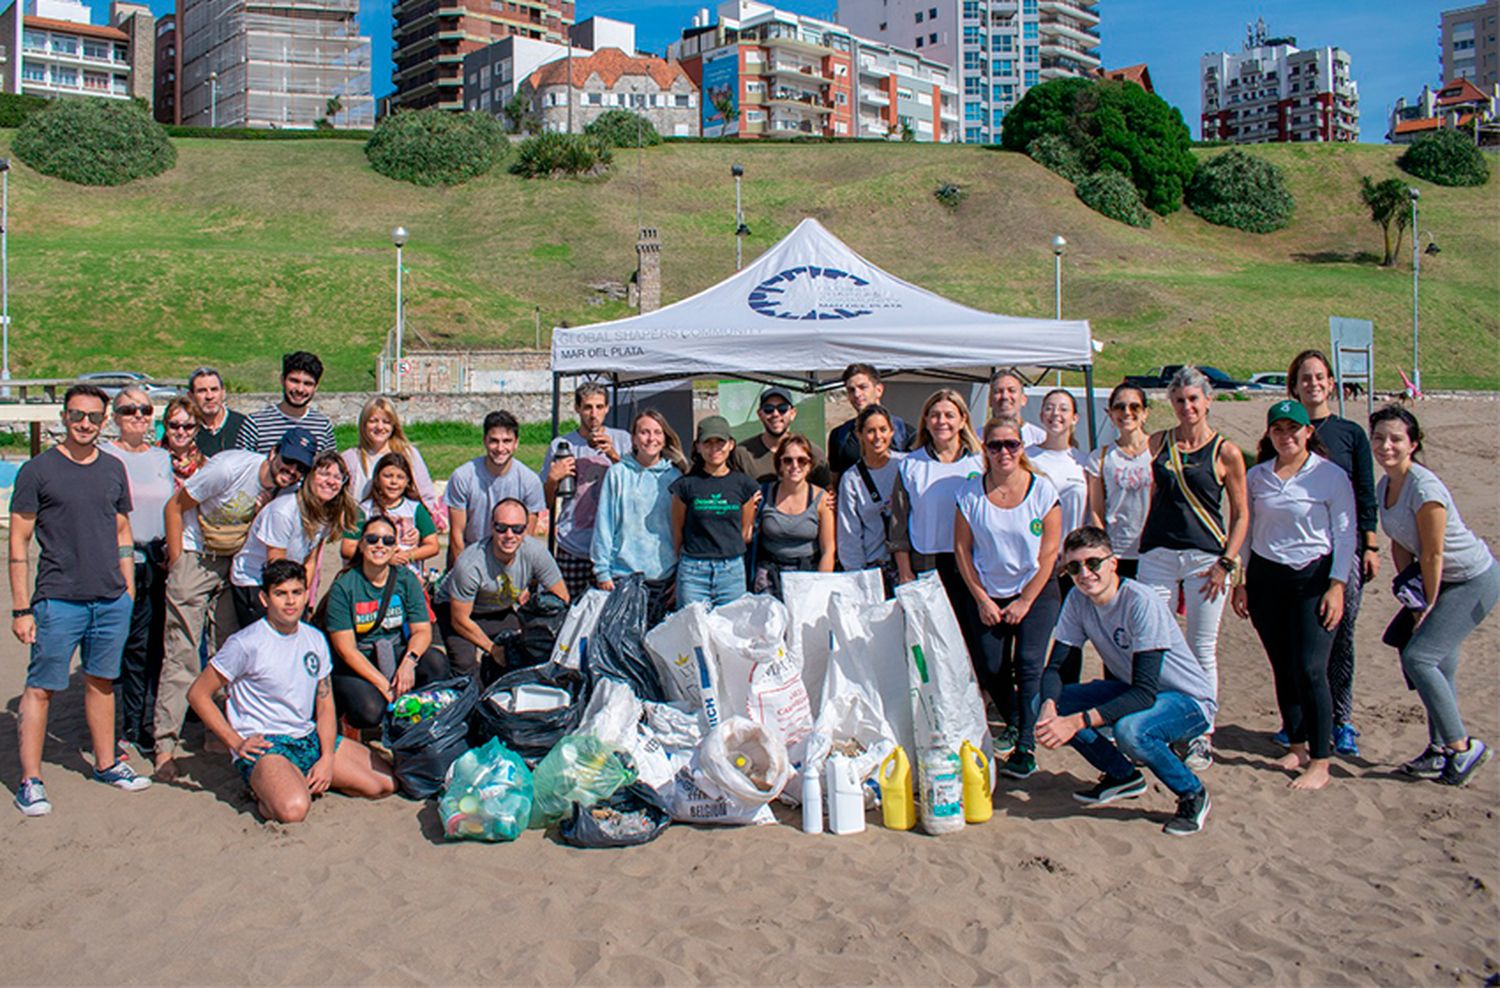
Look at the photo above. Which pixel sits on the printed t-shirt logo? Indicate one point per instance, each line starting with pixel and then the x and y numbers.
pixel 310 663
pixel 365 611
pixel 1036 526
pixel 714 504
pixel 1121 638
pixel 813 292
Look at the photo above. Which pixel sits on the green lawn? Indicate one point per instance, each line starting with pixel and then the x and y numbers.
pixel 446 445
pixel 247 249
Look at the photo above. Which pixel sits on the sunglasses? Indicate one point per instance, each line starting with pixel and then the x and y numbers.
pixel 1093 564
pixel 182 426
pixel 380 540
pixel 501 528
pixel 77 415
pixel 146 410
pixel 796 461
pixel 998 446
pixel 775 409
pixel 1132 406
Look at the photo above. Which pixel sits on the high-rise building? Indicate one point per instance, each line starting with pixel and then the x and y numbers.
pixel 1274 91
pixel 272 63
pixel 55 50
pixel 765 72
pixel 1468 48
pixel 164 105
pixel 998 49
pixel 433 36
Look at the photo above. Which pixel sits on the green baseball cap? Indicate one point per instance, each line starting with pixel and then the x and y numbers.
pixel 1287 409
pixel 714 427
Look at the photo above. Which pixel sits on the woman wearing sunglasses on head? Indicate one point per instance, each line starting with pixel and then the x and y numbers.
pixel 1120 478
pixel 794 526
pixel 180 424
pixel 1006 535
pixel 295 527
pixel 380 628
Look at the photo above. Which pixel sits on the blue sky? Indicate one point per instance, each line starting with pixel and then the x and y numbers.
pixel 1393 44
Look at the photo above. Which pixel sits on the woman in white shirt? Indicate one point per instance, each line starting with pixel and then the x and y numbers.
pixel 380 432
pixel 865 497
pixel 393 493
pixel 1120 478
pixel 1006 534
pixel 1301 548
pixel 927 485
pixel 1060 459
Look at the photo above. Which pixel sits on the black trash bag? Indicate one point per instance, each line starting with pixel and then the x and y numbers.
pixel 422 752
pixel 618 647
pixel 634 815
pixel 530 735
pixel 542 617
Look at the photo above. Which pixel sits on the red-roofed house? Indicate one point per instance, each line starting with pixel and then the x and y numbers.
pixel 1456 104
pixel 609 79
pixel 1138 74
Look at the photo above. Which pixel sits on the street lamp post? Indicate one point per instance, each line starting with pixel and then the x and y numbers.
pixel 1416 269
pixel 1058 243
pixel 213 99
pixel 740 229
pixel 398 237
pixel 5 270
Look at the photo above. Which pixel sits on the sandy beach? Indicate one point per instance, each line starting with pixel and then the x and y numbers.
pixel 1378 879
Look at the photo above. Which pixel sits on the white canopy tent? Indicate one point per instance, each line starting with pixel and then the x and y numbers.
pixel 802 312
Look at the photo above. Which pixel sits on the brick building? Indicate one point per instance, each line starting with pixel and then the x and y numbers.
pixel 1274 91
pixel 432 37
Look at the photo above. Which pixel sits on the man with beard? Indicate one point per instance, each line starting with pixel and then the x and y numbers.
pixel 262 431
pixel 756 456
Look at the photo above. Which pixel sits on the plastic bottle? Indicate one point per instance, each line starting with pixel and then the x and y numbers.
pixel 812 802
pixel 979 804
pixel 897 807
pixel 846 797
pixel 942 791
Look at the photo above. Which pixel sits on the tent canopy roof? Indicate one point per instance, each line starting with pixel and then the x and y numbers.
pixel 810 304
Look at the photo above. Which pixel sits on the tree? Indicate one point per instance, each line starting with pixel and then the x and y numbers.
pixel 94 142
pixel 1045 109
pixel 623 129
pixel 518 116
pixel 1389 203
pixel 435 147
pixel 1446 157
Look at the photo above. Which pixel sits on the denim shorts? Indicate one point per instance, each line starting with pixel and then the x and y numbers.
pixel 302 752
pixel 96 629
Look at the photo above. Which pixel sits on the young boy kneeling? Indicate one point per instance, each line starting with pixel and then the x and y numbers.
pixel 281 725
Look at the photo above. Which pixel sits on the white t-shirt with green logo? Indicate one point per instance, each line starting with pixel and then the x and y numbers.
pixel 273 678
pixel 1007 541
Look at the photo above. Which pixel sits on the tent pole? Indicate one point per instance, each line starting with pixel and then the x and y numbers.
pixel 1088 384
pixel 556 402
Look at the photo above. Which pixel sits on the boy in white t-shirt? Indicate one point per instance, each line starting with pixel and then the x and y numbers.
pixel 280 723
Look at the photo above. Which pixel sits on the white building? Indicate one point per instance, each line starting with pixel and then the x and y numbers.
pixel 493 74
pixel 998 48
pixel 54 50
pixel 1274 91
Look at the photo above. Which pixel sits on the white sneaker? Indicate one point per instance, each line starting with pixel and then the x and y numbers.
pixel 31 798
pixel 1200 753
pixel 122 776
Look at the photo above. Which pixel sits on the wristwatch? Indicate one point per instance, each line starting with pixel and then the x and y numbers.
pixel 1228 563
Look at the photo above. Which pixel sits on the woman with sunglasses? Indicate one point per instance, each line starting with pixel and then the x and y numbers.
pixel 295 527
pixel 180 424
pixel 380 628
pixel 794 525
pixel 1120 478
pixel 148 469
pixel 1006 535
pixel 394 494
pixel 864 502
pixel 1301 550
pixel 633 525
pixel 380 433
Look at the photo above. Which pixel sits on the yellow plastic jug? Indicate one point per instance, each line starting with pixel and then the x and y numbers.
pixel 896 805
pixel 979 805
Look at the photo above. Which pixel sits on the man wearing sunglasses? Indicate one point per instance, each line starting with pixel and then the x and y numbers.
pixel 1160 694
pixel 756 456
pixel 477 601
pixel 206 523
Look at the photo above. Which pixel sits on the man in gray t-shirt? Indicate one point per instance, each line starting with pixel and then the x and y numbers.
pixel 490 580
pixel 477 486
pixel 584 454
pixel 1159 694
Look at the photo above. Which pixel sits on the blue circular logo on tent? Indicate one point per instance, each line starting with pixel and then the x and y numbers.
pixel 817 293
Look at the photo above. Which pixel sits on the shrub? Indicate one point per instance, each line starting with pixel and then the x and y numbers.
pixel 1239 190
pixel 1446 157
pixel 435 147
pixel 1045 109
pixel 15 108
pixel 621 129
pixel 1112 194
pixel 950 194
pixel 94 142
pixel 553 155
pixel 1054 153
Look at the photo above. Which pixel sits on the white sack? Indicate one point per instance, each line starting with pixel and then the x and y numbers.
pixel 612 714
pixel 677 728
pixel 745 760
pixel 759 677
pixel 947 709
pixel 578 626
pixel 681 650
pixel 808 599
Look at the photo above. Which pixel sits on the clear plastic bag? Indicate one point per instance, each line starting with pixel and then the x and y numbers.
pixel 581 769
pixel 488 795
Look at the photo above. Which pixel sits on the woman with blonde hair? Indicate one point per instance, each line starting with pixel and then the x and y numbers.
pixel 380 432
pixel 1007 531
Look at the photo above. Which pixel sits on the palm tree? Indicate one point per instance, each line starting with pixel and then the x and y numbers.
pixel 1388 203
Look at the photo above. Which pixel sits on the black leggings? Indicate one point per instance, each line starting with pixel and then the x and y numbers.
pixel 1284 609
pixel 357 699
pixel 1015 656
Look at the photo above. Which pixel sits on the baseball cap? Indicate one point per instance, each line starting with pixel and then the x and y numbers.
pixel 776 392
pixel 1287 409
pixel 714 427
pixel 297 446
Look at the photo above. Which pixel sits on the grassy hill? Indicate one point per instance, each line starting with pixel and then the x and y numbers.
pixel 246 249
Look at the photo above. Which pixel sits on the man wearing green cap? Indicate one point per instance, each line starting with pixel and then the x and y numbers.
pixel 713 515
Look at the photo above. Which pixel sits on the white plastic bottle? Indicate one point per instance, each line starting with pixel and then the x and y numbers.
pixel 812 802
pixel 846 797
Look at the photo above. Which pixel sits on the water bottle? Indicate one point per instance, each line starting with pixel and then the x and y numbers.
pixel 568 485
pixel 812 802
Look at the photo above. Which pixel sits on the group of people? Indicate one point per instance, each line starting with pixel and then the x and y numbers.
pixel 1041 547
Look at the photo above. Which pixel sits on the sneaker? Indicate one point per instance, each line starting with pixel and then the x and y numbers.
pixel 1344 740
pixel 1020 765
pixel 1110 789
pixel 1460 765
pixel 122 776
pixel 1428 765
pixel 1200 753
pixel 31 798
pixel 1006 742
pixel 1280 738
pixel 1192 810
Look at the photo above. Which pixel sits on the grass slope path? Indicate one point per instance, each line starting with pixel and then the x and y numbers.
pixel 246 249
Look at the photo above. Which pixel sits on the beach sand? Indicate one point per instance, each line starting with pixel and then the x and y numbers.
pixel 1378 879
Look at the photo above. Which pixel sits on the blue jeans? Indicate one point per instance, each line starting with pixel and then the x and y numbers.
pixel 1144 736
pixel 715 581
pixel 95 628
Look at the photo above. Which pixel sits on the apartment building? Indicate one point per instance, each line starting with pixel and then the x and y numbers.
pixel 164 102
pixel 53 49
pixel 272 63
pixel 658 90
pixel 764 72
pixel 492 74
pixel 1274 91
pixel 1467 45
pixel 998 49
pixel 433 37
